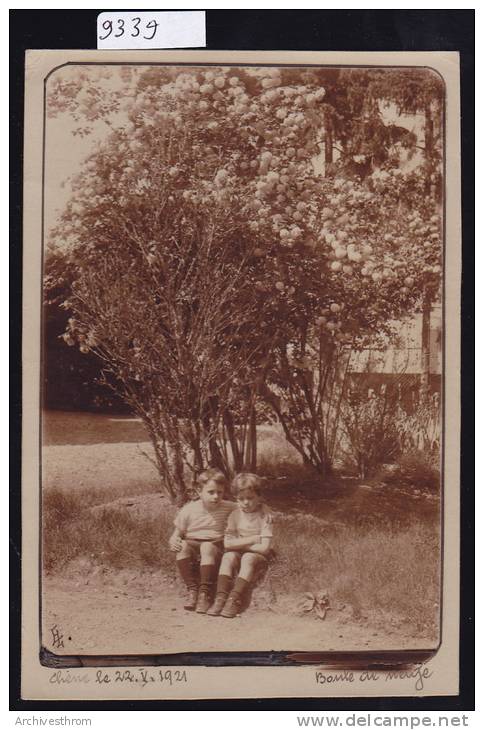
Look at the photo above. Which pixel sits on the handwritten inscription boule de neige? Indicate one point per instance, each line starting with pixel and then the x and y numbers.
pixel 417 674
pixel 141 677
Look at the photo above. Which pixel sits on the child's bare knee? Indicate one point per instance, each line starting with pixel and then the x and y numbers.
pixel 208 550
pixel 229 560
pixel 250 559
pixel 248 565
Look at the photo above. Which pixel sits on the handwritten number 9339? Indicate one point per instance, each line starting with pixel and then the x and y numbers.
pixel 119 30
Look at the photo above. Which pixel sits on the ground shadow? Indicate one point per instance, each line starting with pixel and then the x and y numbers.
pixel 62 428
pixel 339 501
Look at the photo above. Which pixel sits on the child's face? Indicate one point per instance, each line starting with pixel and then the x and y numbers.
pixel 248 500
pixel 211 494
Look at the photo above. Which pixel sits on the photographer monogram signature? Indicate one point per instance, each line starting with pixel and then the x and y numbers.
pixel 57 637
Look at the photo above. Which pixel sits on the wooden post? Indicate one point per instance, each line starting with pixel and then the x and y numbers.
pixel 328 145
pixel 427 299
pixel 425 341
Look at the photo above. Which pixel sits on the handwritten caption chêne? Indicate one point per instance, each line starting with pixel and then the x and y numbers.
pixel 139 677
pixel 417 674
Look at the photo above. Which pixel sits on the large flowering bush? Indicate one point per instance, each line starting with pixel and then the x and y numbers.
pixel 212 264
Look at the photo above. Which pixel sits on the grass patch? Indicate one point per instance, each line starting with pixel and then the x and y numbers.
pixel 60 501
pixel 274 452
pixel 416 469
pixel 378 570
pixel 294 487
pixel 77 428
pixel 288 469
pixel 107 537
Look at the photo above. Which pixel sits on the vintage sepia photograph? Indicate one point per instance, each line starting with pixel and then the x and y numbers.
pixel 241 373
pixel 240 366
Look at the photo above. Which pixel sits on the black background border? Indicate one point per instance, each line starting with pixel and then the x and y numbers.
pixel 305 30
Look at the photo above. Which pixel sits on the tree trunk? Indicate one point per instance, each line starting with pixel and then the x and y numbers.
pixel 328 145
pixel 216 458
pixel 251 449
pixel 429 146
pixel 197 452
pixel 427 299
pixel 425 342
pixel 230 429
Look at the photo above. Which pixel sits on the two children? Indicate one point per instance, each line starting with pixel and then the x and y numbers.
pixel 235 536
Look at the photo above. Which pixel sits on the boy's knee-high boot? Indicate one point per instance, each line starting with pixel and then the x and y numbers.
pixel 234 601
pixel 224 585
pixel 188 574
pixel 205 594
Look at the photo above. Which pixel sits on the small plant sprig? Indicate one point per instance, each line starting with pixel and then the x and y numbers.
pixel 317 603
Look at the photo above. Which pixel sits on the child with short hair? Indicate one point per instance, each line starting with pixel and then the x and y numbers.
pixel 247 543
pixel 198 535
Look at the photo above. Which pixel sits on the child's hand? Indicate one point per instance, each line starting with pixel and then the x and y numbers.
pixel 175 543
pixel 259 548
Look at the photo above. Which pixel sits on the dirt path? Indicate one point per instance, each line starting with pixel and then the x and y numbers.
pixel 145 615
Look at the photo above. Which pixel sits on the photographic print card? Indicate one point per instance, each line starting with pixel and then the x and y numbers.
pixel 241 374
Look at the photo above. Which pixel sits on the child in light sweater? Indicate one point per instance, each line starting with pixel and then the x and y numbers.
pixel 198 538
pixel 248 539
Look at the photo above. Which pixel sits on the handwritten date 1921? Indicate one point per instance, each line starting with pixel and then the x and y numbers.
pixel 141 677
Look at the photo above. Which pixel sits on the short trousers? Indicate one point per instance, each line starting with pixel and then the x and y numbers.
pixel 195 545
pixel 264 559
